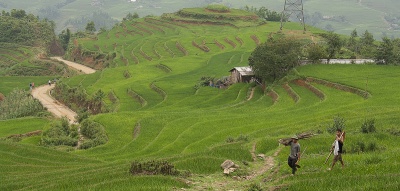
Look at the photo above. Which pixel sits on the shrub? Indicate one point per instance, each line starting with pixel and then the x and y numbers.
pixel 218 8
pixel 373 160
pixel 230 140
pixel 127 74
pixel 82 115
pixel 77 99
pixel 94 132
pixel 60 133
pixel 255 187
pixel 243 138
pixel 364 147
pixel 61 140
pixel 153 168
pixel 393 131
pixel 368 126
pixel 338 124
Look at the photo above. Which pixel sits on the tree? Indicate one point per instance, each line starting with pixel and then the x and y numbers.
pixel 265 13
pixel 334 44
pixel 131 16
pixel 315 52
pixel 90 27
pixel 65 37
pixel 273 59
pixel 384 53
pixel 367 39
pixel 367 45
pixel 353 43
pixel 19 14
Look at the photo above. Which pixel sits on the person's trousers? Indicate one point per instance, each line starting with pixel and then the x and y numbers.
pixel 292 164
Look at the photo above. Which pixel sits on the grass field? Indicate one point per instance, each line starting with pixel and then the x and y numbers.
pixel 190 127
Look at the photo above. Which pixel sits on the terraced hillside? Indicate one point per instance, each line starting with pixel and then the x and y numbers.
pixel 21 65
pixel 160 115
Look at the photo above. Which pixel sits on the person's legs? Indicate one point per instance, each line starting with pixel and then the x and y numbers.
pixel 292 164
pixel 335 158
pixel 341 160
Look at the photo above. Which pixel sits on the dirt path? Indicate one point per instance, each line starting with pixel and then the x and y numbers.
pixel 251 94
pixel 76 66
pixel 42 93
pixel 221 182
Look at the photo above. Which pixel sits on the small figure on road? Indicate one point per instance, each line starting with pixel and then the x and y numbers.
pixel 49 83
pixel 30 86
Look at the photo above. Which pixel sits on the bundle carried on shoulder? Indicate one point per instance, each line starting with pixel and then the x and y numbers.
pixel 305 135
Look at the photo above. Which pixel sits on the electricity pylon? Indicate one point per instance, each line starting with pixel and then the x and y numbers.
pixel 293 7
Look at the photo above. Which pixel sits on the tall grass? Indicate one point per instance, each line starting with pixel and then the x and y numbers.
pixel 19 103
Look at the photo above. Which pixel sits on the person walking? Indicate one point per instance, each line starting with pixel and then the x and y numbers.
pixel 49 83
pixel 294 156
pixel 30 86
pixel 337 148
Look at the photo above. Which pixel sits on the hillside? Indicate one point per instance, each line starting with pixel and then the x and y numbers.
pixel 343 16
pixel 25 42
pixel 152 71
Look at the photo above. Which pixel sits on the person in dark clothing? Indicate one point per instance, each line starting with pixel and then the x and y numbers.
pixel 337 148
pixel 294 156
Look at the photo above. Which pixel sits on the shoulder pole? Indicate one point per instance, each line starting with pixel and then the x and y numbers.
pixel 330 153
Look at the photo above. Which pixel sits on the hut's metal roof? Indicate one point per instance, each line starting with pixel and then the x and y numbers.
pixel 244 71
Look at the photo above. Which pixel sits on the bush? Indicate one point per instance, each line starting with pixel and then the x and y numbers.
pixel 94 133
pixel 243 138
pixel 255 187
pixel 230 140
pixel 368 126
pixel 82 115
pixel 60 140
pixel 60 133
pixel 218 8
pixel 393 131
pixel 373 160
pixel 364 147
pixel 338 124
pixel 153 168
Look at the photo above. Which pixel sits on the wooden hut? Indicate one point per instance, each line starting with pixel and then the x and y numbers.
pixel 241 74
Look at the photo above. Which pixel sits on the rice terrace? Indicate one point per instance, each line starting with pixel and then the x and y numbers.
pixel 159 113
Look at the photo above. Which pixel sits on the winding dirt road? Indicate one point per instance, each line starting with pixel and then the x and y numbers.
pixel 42 93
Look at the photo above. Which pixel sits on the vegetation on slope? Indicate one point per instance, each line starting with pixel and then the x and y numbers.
pixel 18 104
pixel 26 29
pixel 198 129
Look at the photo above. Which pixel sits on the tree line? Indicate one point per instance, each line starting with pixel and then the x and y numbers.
pixel 26 29
pixel 274 59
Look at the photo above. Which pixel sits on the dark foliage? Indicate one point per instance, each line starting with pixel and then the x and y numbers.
pixel 60 133
pixel 94 133
pixel 338 124
pixel 368 126
pixel 273 59
pixel 153 168
pixel 77 99
pixel 25 29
